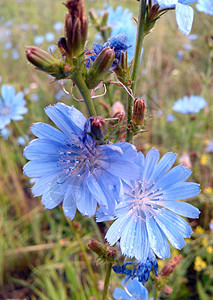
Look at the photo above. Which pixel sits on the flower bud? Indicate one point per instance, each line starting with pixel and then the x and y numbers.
pixel 97 247
pixel 167 290
pixel 76 27
pixel 209 41
pixel 100 67
pixel 98 128
pixel 169 267
pixel 111 254
pixel 138 111
pixel 45 62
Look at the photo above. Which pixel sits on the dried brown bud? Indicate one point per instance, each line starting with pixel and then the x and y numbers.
pixel 169 267
pixel 76 225
pixel 167 290
pixel 138 111
pixel 111 254
pixel 76 27
pixel 98 127
pixel 97 247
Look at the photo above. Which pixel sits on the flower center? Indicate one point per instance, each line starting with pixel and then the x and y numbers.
pixel 78 158
pixel 5 109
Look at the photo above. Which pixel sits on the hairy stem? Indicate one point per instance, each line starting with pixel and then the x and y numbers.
pixel 136 64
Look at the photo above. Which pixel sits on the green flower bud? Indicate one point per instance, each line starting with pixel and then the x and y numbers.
pixel 45 62
pixel 97 247
pixel 100 68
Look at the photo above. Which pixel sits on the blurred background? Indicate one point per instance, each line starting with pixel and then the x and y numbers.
pixel 40 256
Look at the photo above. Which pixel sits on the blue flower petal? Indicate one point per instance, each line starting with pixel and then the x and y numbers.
pixel 45 131
pixel 181 208
pixel 184 18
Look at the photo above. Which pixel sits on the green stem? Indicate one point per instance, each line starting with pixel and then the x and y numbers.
pixel 85 92
pixel 107 279
pixel 20 131
pixel 156 294
pixel 92 275
pixel 136 64
pixel 208 74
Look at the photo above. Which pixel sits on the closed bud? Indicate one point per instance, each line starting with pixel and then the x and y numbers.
pixel 97 247
pixel 167 290
pixel 209 41
pixel 98 128
pixel 45 62
pixel 111 254
pixel 138 111
pixel 100 67
pixel 76 27
pixel 169 267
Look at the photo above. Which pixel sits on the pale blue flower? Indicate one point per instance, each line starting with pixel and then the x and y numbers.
pixel 38 40
pixel 71 168
pixel 184 13
pixel 52 48
pixel 133 290
pixel 5 133
pixel 148 213
pixel 205 6
pixel 170 118
pixel 50 37
pixel 209 147
pixel 12 105
pixel 189 105
pixel 58 26
pixel 121 21
pixel 15 54
pixel 211 225
pixel 21 141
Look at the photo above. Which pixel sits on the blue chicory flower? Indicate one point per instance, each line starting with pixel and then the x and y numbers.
pixel 211 225
pixel 50 37
pixel 149 211
pixel 121 21
pixel 12 105
pixel 21 141
pixel 38 40
pixel 118 43
pixel 5 133
pixel 58 26
pixel 189 105
pixel 184 13
pixel 205 6
pixel 140 270
pixel 170 118
pixel 133 290
pixel 71 168
pixel 209 147
pixel 15 54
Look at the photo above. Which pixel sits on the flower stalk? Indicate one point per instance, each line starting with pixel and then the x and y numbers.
pixel 136 64
pixel 107 280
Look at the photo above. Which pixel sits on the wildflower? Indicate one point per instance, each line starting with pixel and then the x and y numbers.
pixel 133 290
pixel 170 118
pixel 21 141
pixel 199 230
pixel 12 105
pixel 189 105
pixel 38 40
pixel 50 37
pixel 199 264
pixel 71 168
pixel 58 26
pixel 203 160
pixel 209 147
pixel 209 249
pixel 205 6
pixel 118 43
pixel 15 54
pixel 211 224
pixel 121 21
pixel 5 133
pixel 149 213
pixel 141 269
pixel 184 13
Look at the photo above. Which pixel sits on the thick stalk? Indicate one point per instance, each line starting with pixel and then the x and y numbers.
pixel 137 57
pixel 107 279
pixel 85 92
